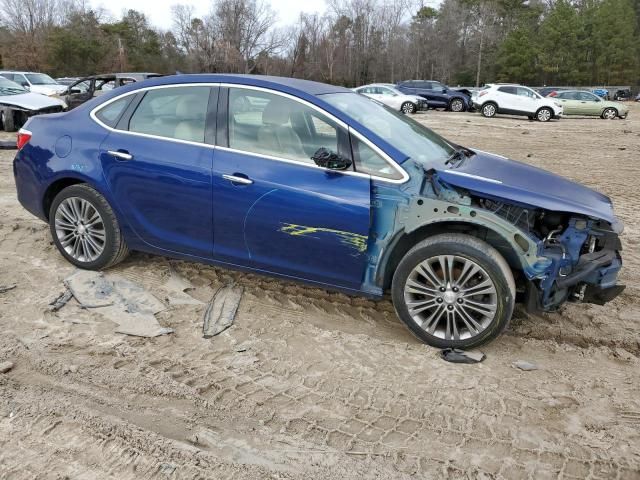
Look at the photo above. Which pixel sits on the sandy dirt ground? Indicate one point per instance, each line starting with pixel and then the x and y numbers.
pixel 313 384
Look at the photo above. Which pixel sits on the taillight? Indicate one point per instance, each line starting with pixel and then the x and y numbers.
pixel 482 93
pixel 23 138
pixel 552 94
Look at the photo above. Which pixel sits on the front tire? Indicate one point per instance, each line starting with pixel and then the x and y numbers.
pixel 609 113
pixel 85 228
pixel 489 110
pixel 456 105
pixel 8 120
pixel 454 291
pixel 408 107
pixel 544 114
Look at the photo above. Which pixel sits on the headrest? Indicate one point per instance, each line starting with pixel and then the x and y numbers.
pixel 277 112
pixel 189 108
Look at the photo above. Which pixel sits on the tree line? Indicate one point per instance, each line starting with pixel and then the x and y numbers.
pixel 462 42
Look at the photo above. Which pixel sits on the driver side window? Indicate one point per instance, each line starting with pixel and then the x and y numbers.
pixel 277 126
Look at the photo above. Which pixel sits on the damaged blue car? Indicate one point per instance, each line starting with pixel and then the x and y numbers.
pixel 316 183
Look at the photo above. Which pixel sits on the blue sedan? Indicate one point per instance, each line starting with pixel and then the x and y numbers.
pixel 316 183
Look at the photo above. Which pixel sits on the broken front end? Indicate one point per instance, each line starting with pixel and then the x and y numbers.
pixel 582 261
pixel 555 256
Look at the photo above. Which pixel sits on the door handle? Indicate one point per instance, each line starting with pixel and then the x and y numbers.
pixel 237 179
pixel 120 155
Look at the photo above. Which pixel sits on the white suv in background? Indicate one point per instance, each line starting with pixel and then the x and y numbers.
pixel 35 82
pixel 389 95
pixel 512 99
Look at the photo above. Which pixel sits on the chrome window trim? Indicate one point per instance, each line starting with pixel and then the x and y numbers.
pixel 387 158
pixel 93 116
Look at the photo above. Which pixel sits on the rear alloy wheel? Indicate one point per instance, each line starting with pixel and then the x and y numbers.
pixel 408 107
pixel 609 113
pixel 456 105
pixel 544 114
pixel 85 229
pixel 489 110
pixel 454 291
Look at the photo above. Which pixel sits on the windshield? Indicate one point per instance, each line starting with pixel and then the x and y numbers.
pixel 40 79
pixel 411 138
pixel 7 87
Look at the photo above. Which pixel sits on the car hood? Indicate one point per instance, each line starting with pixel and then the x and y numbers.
pixel 501 177
pixel 30 101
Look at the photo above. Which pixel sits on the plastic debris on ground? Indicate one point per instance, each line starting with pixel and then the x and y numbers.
pixel 221 311
pixel 455 355
pixel 123 302
pixel 523 365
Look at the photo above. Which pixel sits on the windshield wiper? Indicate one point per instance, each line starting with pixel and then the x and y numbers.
pixel 459 154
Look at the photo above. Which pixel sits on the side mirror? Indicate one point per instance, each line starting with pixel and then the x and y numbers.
pixel 26 85
pixel 444 89
pixel 326 158
pixel 74 90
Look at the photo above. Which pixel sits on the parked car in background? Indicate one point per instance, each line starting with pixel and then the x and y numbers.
pixel 601 92
pixel 638 97
pixel 389 95
pixel 67 81
pixel 622 95
pixel 17 104
pixel 317 183
pixel 84 89
pixel 34 82
pixel 437 94
pixel 579 102
pixel 512 99
pixel 550 91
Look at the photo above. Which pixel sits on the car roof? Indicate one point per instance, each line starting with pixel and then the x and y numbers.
pixel 19 71
pixel 279 83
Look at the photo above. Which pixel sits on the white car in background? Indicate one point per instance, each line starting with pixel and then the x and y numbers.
pixel 513 99
pixel 17 105
pixel 390 96
pixel 35 82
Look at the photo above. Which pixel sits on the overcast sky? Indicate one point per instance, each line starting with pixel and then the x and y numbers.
pixel 159 11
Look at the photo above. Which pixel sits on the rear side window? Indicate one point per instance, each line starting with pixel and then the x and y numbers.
pixel 511 90
pixel 172 112
pixel 110 114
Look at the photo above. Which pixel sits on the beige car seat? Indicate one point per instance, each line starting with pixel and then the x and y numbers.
pixel 276 135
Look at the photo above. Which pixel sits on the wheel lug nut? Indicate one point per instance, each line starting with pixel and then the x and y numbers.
pixel 439 300
pixel 450 307
pixel 455 289
pixel 460 300
pixel 442 289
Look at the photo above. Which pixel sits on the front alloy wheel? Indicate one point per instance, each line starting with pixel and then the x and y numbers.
pixel 544 115
pixel 408 107
pixel 454 290
pixel 609 113
pixel 457 105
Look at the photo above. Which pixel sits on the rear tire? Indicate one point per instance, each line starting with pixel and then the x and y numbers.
pixel 473 289
pixel 85 228
pixel 489 110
